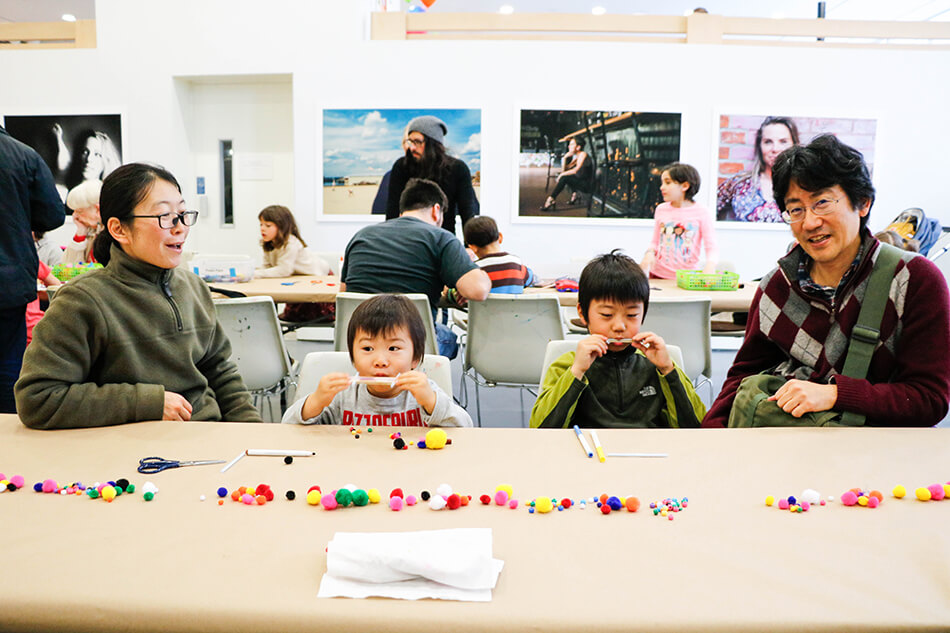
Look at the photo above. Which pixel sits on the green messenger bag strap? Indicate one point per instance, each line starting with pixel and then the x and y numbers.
pixel 867 331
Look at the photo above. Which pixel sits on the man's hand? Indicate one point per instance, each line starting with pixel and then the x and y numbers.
pixel 798 397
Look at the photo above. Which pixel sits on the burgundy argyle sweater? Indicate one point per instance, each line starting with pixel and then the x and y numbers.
pixel 795 335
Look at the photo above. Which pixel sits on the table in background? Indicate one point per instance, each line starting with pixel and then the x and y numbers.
pixel 666 289
pixel 726 563
pixel 296 289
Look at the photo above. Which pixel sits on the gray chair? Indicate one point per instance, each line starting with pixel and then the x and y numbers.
pixel 257 348
pixel 686 324
pixel 506 340
pixel 346 302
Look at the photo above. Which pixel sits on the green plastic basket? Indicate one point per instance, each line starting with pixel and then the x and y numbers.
pixel 64 272
pixel 698 280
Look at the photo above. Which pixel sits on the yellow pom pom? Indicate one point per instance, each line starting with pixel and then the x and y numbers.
pixel 108 493
pixel 769 500
pixel 543 505
pixel 946 491
pixel 862 500
pixel 506 488
pixel 250 490
pixel 899 491
pixel 313 497
pixel 923 494
pixel 436 438
pixel 373 495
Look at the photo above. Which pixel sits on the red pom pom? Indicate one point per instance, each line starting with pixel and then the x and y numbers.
pixel 566 503
pixel 605 508
pixel 317 488
pixel 485 499
pixel 397 492
pixel 269 494
pixel 453 502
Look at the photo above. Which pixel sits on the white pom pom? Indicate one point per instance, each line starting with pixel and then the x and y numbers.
pixel 202 497
pixel 437 502
pixel 445 490
pixel 149 487
pixel 811 496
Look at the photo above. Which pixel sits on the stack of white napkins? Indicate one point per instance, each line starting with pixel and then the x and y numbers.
pixel 446 564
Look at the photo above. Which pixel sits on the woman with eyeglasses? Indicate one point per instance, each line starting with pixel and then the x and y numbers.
pixel 139 339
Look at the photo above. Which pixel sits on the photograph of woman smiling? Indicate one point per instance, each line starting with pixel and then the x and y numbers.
pixel 138 340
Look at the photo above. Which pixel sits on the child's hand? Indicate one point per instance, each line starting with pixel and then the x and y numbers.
pixel 329 386
pixel 588 350
pixel 417 383
pixel 654 348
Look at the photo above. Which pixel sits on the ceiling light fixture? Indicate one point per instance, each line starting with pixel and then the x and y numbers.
pixel 69 17
pixel 506 9
pixel 598 11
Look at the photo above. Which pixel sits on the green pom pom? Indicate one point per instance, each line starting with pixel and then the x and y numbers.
pixel 360 498
pixel 130 488
pixel 344 497
pixel 148 496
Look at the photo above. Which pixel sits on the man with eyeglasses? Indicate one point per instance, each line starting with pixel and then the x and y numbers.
pixel 804 311
pixel 426 158
pixel 28 202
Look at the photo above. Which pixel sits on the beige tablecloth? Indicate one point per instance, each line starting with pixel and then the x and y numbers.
pixel 726 563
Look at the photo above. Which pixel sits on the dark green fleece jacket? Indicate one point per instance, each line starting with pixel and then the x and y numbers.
pixel 620 390
pixel 113 340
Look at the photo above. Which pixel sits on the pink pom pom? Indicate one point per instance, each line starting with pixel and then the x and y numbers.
pixel 805 506
pixel 328 501
pixel 849 498
pixel 17 480
pixel 873 502
pixel 783 504
pixel 411 500
pixel 395 504
pixel 49 486
pixel 936 492
pixel 513 504
pixel 247 499
pixel 2 476
pixel 501 497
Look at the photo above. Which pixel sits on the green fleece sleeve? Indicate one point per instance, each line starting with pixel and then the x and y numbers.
pixel 560 390
pixel 684 409
pixel 54 390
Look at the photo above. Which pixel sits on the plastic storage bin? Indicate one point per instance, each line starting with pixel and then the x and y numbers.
pixel 223 268
pixel 698 280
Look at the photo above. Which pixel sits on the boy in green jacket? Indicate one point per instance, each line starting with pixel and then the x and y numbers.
pixel 619 377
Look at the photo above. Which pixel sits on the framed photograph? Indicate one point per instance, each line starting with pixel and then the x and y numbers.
pixel 361 145
pixel 593 163
pixel 748 146
pixel 76 147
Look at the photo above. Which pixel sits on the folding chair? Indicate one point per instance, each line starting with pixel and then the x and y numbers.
pixel 507 337
pixel 257 348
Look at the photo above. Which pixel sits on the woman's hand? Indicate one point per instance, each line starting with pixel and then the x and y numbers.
pixel 417 383
pixel 177 408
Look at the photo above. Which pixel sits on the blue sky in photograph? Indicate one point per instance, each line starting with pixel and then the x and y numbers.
pixel 367 142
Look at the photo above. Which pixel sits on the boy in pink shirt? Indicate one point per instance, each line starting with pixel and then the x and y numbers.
pixel 682 227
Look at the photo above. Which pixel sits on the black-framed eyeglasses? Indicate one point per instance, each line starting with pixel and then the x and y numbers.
pixel 416 142
pixel 170 220
pixel 822 207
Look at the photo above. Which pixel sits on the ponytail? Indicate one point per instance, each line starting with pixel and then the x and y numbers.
pixel 102 246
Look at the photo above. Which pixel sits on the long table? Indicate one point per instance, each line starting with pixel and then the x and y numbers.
pixel 726 563
pixel 312 288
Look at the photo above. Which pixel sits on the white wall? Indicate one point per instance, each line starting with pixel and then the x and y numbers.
pixel 324 46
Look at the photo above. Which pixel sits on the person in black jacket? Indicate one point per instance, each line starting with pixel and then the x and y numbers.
pixel 426 158
pixel 28 202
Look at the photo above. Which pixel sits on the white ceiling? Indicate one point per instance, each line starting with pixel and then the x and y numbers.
pixel 889 10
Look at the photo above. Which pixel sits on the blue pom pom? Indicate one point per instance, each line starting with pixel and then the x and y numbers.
pixel 614 503
pixel 530 510
pixel 38 486
pixel 222 492
pixel 421 443
pixel 792 501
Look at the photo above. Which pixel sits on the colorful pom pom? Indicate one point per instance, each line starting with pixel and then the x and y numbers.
pixel 395 504
pixel 396 492
pixel 373 495
pixel 453 502
pixel 436 439
pixel 485 499
pixel 501 498
pixel 291 495
pixel 513 504
pixel 328 501
pixel 360 497
pixel 849 498
pixel 437 502
pixel 313 497
pixel 632 504
pixel 922 494
pixel 543 505
pixel 222 492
